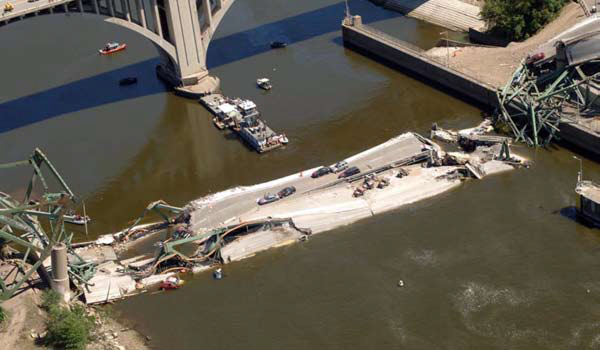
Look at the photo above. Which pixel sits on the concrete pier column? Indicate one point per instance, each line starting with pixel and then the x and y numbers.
pixel 126 7
pixel 60 276
pixel 111 8
pixel 51 10
pixel 141 13
pixel 80 5
pixel 66 7
pixel 157 18
pixel 207 13
pixel 96 9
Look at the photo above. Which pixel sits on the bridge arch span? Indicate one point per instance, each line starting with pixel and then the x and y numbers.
pixel 181 29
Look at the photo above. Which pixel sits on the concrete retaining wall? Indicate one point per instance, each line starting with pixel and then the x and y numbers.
pixel 411 59
pixel 580 137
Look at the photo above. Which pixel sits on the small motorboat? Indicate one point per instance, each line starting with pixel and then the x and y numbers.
pixel 264 83
pixel 128 81
pixel 112 47
pixel 171 282
pixel 77 219
pixel 278 44
pixel 283 139
pixel 218 123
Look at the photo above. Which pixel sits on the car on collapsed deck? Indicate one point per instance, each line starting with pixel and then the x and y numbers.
pixel 349 172
pixel 268 198
pixel 320 172
pixel 339 166
pixel 288 191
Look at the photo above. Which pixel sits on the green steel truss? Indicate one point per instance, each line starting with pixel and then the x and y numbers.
pixel 30 228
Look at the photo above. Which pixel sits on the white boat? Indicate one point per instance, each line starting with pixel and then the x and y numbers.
pixel 264 83
pixel 77 219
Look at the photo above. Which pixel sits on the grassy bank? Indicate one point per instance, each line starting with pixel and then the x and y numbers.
pixel 67 327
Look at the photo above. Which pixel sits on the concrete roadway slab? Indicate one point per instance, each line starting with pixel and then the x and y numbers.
pixel 24 7
pixel 214 210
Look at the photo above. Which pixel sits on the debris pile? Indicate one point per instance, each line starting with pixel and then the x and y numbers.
pixel 230 225
pixel 37 224
pixel 547 89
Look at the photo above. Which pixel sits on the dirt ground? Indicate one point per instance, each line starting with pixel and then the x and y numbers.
pixel 26 324
pixel 496 65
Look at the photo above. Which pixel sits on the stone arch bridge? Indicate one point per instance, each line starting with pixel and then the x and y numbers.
pixel 181 29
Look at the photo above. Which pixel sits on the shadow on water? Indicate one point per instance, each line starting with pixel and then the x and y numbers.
pixel 81 94
pixel 292 30
pixel 572 214
pixel 104 88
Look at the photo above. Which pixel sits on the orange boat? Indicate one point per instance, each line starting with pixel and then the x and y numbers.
pixel 111 48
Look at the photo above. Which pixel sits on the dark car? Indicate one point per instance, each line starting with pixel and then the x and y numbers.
pixel 278 44
pixel 321 171
pixel 288 191
pixel 268 198
pixel 349 172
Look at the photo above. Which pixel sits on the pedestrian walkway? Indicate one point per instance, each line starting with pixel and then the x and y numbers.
pixel 451 14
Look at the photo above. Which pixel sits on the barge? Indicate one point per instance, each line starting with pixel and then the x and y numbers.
pixel 243 117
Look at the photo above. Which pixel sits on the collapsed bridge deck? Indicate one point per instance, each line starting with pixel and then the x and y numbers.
pixel 230 225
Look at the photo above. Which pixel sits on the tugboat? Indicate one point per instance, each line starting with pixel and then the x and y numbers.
pixel 278 44
pixel 128 81
pixel 112 48
pixel 264 83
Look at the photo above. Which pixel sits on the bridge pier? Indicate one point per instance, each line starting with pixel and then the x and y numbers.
pixel 181 29
pixel 191 87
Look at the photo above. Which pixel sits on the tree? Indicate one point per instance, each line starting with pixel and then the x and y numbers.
pixel 519 19
pixel 68 328
pixel 2 315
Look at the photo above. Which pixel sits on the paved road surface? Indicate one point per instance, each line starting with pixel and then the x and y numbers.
pixel 23 7
pixel 211 214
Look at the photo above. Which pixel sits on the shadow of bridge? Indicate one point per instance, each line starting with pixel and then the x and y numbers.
pixel 103 88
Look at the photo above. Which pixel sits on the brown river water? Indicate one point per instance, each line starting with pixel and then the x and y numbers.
pixel 495 264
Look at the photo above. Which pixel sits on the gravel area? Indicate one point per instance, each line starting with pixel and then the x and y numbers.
pixel 495 65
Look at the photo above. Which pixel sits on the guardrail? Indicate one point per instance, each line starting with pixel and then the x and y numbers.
pixel 32 7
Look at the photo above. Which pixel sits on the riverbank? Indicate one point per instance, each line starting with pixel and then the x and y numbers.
pixel 484 79
pixel 25 327
pixel 495 65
